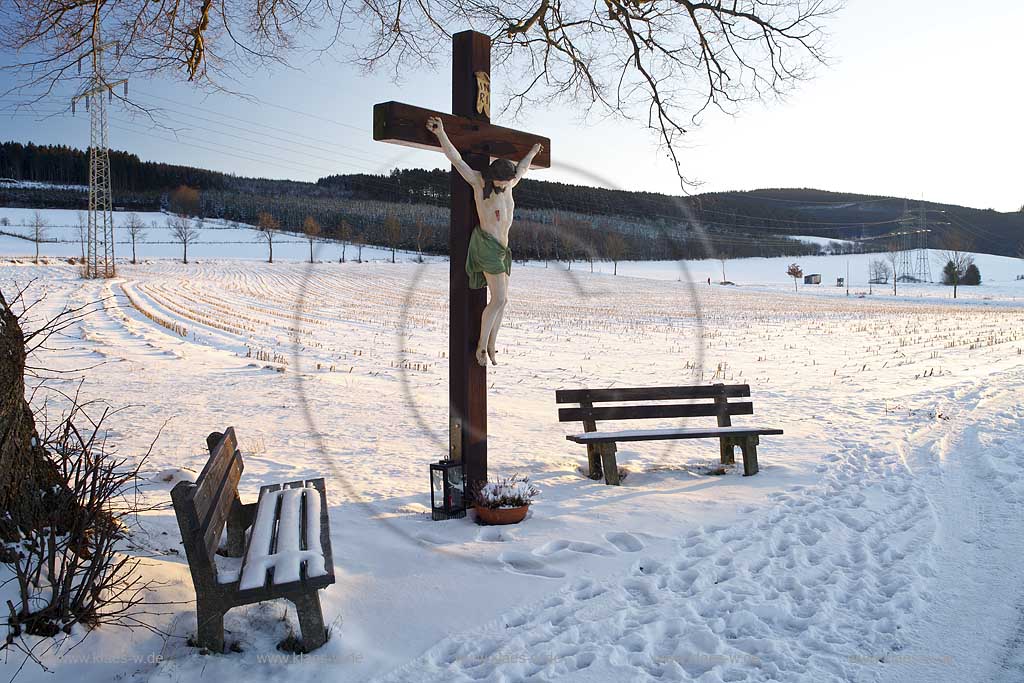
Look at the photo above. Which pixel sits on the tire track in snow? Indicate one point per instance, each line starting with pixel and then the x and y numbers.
pixel 974 628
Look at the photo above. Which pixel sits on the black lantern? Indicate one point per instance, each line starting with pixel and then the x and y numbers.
pixel 447 490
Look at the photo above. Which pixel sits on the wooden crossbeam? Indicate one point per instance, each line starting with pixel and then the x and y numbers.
pixel 404 124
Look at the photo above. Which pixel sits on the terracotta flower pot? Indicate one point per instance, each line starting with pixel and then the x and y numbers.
pixel 501 515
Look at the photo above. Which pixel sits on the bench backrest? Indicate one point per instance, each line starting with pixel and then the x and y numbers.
pixel 715 404
pixel 202 507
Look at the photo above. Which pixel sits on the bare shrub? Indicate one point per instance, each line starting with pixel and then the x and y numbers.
pixel 67 564
pixel 69 502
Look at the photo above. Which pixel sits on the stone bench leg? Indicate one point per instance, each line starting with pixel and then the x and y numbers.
pixel 749 447
pixel 240 518
pixel 726 447
pixel 311 620
pixel 594 460
pixel 210 622
pixel 611 468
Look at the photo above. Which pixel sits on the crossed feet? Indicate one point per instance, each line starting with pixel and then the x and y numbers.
pixel 482 355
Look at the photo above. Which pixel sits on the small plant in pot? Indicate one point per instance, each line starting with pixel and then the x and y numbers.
pixel 505 501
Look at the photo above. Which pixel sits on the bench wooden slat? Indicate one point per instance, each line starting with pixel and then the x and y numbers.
pixel 261 526
pixel 223 452
pixel 325 528
pixel 664 434
pixel 212 526
pixel 655 411
pixel 283 524
pixel 651 393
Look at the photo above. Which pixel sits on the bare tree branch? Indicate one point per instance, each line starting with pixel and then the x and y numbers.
pixel 660 62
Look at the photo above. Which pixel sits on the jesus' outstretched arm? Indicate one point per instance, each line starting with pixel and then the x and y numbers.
pixel 435 126
pixel 524 164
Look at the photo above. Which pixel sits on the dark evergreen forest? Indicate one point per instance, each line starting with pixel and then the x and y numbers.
pixel 651 225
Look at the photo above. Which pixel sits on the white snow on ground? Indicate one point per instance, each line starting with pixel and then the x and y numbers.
pixel 36 185
pixel 820 241
pixel 879 542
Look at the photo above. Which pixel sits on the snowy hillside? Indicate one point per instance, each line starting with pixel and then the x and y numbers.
pixel 220 240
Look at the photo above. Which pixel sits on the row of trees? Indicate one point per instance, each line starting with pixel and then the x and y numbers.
pixel 565 239
pixel 36 226
pixel 540 234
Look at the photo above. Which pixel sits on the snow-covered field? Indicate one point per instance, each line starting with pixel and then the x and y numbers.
pixel 879 542
pixel 216 239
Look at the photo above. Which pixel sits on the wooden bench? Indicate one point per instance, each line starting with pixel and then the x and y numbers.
pixel 706 401
pixel 286 554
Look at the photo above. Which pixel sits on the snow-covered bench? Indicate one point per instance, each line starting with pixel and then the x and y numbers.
pixel 601 445
pixel 286 554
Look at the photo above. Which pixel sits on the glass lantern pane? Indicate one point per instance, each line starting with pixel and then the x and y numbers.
pixel 456 499
pixel 437 486
pixel 456 484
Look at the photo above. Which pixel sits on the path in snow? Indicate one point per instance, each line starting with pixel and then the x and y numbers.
pixel 827 584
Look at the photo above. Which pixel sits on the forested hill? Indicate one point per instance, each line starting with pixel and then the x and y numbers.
pixel 144 185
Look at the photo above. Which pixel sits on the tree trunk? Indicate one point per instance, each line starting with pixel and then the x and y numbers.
pixel 271 243
pixel 343 245
pixel 311 251
pixel 616 269
pixel 23 463
pixel 133 251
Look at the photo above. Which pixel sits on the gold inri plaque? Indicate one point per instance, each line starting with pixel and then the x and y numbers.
pixel 483 93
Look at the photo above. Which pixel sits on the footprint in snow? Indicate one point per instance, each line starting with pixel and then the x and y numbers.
pixel 627 543
pixel 522 563
pixel 430 539
pixel 553 547
pixel 490 534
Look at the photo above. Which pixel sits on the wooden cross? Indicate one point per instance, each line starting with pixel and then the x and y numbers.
pixel 471 132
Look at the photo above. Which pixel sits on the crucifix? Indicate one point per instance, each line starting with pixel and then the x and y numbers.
pixel 476 140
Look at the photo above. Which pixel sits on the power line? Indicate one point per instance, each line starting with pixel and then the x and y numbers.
pixel 262 142
pixel 284 108
pixel 221 115
pixel 246 155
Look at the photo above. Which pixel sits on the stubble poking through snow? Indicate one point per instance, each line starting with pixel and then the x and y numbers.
pixel 879 541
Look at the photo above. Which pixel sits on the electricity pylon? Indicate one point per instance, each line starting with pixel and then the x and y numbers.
pixel 99 260
pixel 924 269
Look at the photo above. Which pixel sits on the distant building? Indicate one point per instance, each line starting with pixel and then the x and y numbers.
pixel 814 279
pixel 840 281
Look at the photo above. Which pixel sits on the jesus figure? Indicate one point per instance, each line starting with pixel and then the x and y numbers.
pixel 489 263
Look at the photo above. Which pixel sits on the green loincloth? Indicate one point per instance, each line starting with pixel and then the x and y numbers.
pixel 486 255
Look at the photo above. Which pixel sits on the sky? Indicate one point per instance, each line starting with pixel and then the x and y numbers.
pixel 922 99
